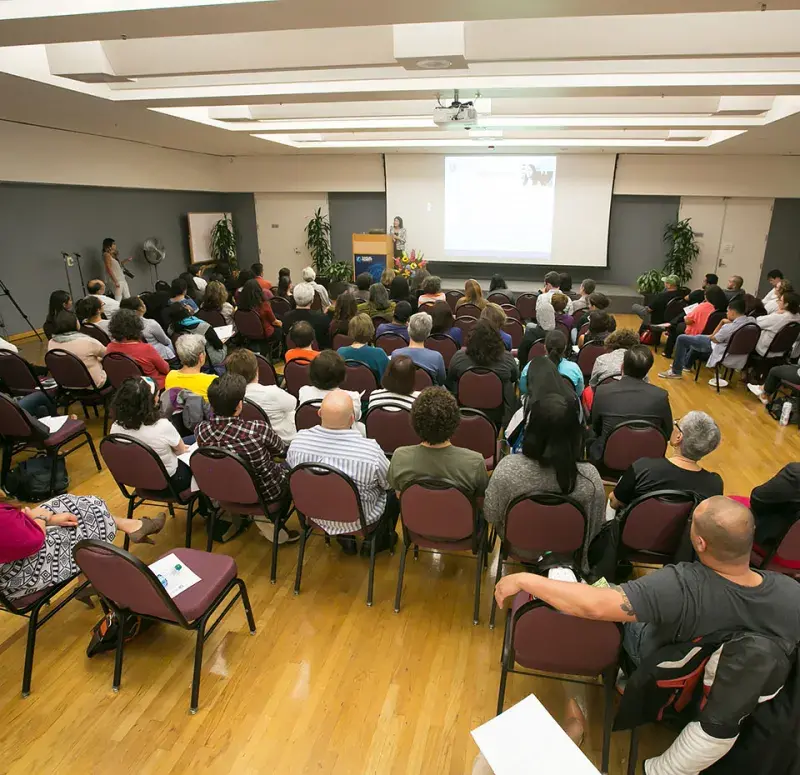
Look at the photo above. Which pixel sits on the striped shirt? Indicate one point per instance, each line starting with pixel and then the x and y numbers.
pixel 387 399
pixel 349 452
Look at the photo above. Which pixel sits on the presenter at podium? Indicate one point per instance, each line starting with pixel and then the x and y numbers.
pixel 398 234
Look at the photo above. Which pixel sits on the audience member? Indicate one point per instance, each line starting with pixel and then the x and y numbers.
pixel 600 326
pixel 753 306
pixel 126 332
pixel 630 398
pixel 90 310
pixel 693 437
pixel 320 321
pixel 310 279
pixel 191 350
pixel 151 330
pixel 551 451
pixel 556 345
pixel 698 296
pixel 252 298
pixel 582 302
pixel 419 329
pixel 551 282
pixel 363 284
pixel 97 289
pixel 435 418
pixel 498 284
pixel 565 283
pixel 400 291
pixel 302 336
pixel 399 324
pixel 776 505
pixel 66 336
pixel 653 313
pixel 695 322
pixel 431 291
pixel 560 302
pixel 774 278
pixel 734 289
pixel 345 310
pixel 379 303
pixel 398 385
pixel 387 275
pixel 485 350
pixel 192 288
pixel 788 312
pixel 472 295
pixel 216 300
pixel 179 290
pixel 284 272
pixel 285 288
pixel 258 275
pixel 496 315
pixel 36 551
pixel 136 414
pixel 157 303
pixel 338 444
pixel 184 322
pixel 279 404
pixel 196 271
pixel 442 319
pixel 610 364
pixel 327 373
pixel 362 332
pixel 59 306
pixel 417 281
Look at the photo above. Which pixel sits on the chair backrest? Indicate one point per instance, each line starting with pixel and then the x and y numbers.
pixel 541 522
pixel 342 340
pixel 133 464
pixel 673 309
pixel 587 355
pixel 526 304
pixel 316 304
pixel 783 340
pixel 547 640
pixel 428 306
pixel 359 377
pixel 514 329
pixel 743 341
pixel 499 297
pixel 390 342
pixel 96 333
pixel 307 414
pixel 280 306
pixel 125 580
pixel 119 367
pixel 248 324
pixel 468 309
pixel 296 374
pixel 511 311
pixel 321 493
pixel 537 348
pixel 438 512
pixel 477 432
pixel 422 379
pixel 443 344
pixel 785 557
pixel 656 522
pixel 564 329
pixel 13 422
pixel 452 298
pixel 378 320
pixel 631 440
pixel 480 389
pixel 253 411
pixel 223 476
pixel 713 321
pixel 391 428
pixel 16 374
pixel 266 371
pixel 213 317
pixel 466 323
pixel 68 370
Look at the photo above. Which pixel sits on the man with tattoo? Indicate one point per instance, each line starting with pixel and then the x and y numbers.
pixel 684 601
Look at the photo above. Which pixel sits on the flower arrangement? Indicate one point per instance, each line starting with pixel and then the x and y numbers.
pixel 408 263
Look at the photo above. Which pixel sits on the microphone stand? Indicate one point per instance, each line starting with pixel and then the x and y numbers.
pixel 5 292
pixel 80 273
pixel 67 258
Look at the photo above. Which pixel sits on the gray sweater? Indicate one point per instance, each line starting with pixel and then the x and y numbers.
pixel 517 475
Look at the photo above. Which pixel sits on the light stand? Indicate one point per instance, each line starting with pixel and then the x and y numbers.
pixel 67 258
pixel 5 292
pixel 80 273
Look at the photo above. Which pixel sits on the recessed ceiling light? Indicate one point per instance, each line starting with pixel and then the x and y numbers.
pixel 434 64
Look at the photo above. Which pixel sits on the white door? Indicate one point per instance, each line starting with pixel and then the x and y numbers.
pixel 744 239
pixel 707 214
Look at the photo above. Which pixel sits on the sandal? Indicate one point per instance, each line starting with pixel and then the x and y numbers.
pixel 575 724
pixel 149 527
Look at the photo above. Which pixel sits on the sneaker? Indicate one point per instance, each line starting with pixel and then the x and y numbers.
pixel 267 529
pixel 669 374
pixel 758 392
pixel 687 370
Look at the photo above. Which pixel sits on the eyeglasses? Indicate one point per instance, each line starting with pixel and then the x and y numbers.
pixel 675 423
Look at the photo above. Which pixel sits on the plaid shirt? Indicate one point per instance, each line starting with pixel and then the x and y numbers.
pixel 255 442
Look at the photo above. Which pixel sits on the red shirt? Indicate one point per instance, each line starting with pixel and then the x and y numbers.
pixel 267 318
pixel 696 320
pixel 265 284
pixel 21 536
pixel 150 362
pixel 300 352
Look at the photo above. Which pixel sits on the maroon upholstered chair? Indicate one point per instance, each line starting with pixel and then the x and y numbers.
pixel 390 342
pixel 75 384
pixel 511 311
pixel 342 340
pixel 537 348
pixel 29 607
pixel 19 433
pixel 526 304
pixel 266 371
pixel 538 523
pixel 499 297
pixel 743 341
pixel 673 309
pixel 280 306
pixel 443 344
pixel 587 355
pixel 120 367
pixel 784 557
pixel 428 307
pixel 142 479
pixel 422 379
pixel 440 517
pixel 248 325
pixel 213 317
pixel 451 297
pixel 130 588
pixel 379 320
pixel 714 319
pixel 359 377
pixel 480 389
pixel 652 526
pixel 307 415
pixel 514 329
pixel 253 411
pixel 477 432
pixel 296 374
pixel 225 477
pixel 564 329
pixel 468 310
pixel 391 428
pixel 17 375
pixel 90 329
pixel 629 441
pixel 323 494
pixel 466 323
pixel 543 640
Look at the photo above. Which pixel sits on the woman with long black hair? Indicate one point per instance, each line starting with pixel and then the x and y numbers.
pixel 60 304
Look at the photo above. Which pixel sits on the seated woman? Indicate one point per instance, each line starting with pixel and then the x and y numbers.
pixel 284 289
pixel 152 331
pixel 387 275
pixel 560 302
pixel 694 323
pixel 362 332
pixel 398 385
pixel 431 291
pixel 252 298
pixel 596 302
pixel 90 310
pixel 399 324
pixel 399 291
pixel 184 322
pixel 136 414
pixel 379 303
pixel 556 345
pixel 60 304
pixel 551 449
pixel 610 363
pixel 601 324
pixel 443 322
pixel 216 300
pixel 498 283
pixel 126 331
pixel 496 315
pixel 485 350
pixel 36 543
pixel 694 436
pixel 66 336
pixel 180 294
pixel 327 373
pixel 191 350
pixel 345 310
pixel 416 283
pixel 472 295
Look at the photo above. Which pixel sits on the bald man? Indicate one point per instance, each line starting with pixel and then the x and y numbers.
pixel 339 444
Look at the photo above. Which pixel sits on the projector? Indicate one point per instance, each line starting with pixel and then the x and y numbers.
pixel 457 115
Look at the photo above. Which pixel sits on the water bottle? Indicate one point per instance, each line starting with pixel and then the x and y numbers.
pixel 786 412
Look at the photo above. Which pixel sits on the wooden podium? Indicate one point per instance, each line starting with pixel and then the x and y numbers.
pixel 372 253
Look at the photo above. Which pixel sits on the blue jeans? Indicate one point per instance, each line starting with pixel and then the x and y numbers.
pixel 638 641
pixel 37 404
pixel 684 347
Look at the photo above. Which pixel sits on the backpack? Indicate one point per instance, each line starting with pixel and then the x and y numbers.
pixel 105 634
pixel 30 479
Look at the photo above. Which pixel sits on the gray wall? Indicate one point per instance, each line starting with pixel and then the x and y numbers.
pixel 635 245
pixel 783 243
pixel 354 213
pixel 37 222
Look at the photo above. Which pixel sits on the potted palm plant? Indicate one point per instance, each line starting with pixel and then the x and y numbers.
pixel 682 249
pixel 318 242
pixel 223 243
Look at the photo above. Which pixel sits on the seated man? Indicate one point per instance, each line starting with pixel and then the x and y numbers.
pixel 435 418
pixel 302 335
pixel 252 440
pixel 775 505
pixel 698 296
pixel 678 603
pixel 178 288
pixel 97 289
pixel 419 329
pixel 630 398
pixel 191 350
pixel 735 289
pixel 584 292
pixel 320 321
pixel 337 443
pixel 399 324
pixel 714 345
pixel 653 313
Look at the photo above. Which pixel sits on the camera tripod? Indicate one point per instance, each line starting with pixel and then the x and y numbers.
pixel 5 292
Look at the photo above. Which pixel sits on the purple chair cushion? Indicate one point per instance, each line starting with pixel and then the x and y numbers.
pixel 21 603
pixel 215 572
pixel 68 430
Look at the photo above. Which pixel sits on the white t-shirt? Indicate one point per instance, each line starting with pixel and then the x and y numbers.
pixel 162 437
pixel 279 406
pixel 311 393
pixel 110 305
pixel 201 283
pixel 4 345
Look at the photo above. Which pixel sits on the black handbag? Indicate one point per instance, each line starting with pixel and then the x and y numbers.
pixel 30 479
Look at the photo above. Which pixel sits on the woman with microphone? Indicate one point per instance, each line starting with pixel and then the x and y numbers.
pixel 398 235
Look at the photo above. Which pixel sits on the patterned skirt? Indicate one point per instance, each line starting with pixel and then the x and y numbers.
pixel 54 562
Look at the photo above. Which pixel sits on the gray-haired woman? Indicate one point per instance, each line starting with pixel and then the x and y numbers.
pixel 378 303
pixel 693 437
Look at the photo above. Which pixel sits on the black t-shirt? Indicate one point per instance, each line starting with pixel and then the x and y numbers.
pixel 776 504
pixel 320 322
pixel 651 474
pixel 658 305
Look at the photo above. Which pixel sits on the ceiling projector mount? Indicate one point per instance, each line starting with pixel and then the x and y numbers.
pixel 462 115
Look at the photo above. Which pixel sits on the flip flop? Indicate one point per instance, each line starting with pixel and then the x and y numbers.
pixel 149 527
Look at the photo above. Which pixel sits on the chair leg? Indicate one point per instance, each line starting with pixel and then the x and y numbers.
pixel 478 574
pixel 198 664
pixel 171 509
pixel 53 470
pixel 371 581
pixel 273 571
pixel 96 412
pixel 498 575
pixel 400 578
pixel 716 377
pixel 106 417
pixel 416 552
pixel 94 451
pixel 301 552
pixel 501 693
pixel 120 645
pixel 609 678
pixel 27 671
pixel 85 411
pixel 633 751
pixel 248 611
pixel 189 515
pixel 8 452
pixel 212 516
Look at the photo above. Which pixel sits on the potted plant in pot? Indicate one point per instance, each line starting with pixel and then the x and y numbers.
pixel 223 243
pixel 682 252
pixel 649 284
pixel 318 242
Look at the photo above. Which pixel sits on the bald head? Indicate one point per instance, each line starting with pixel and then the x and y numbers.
pixel 723 530
pixel 336 411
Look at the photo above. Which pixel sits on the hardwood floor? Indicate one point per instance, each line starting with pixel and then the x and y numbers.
pixel 326 685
